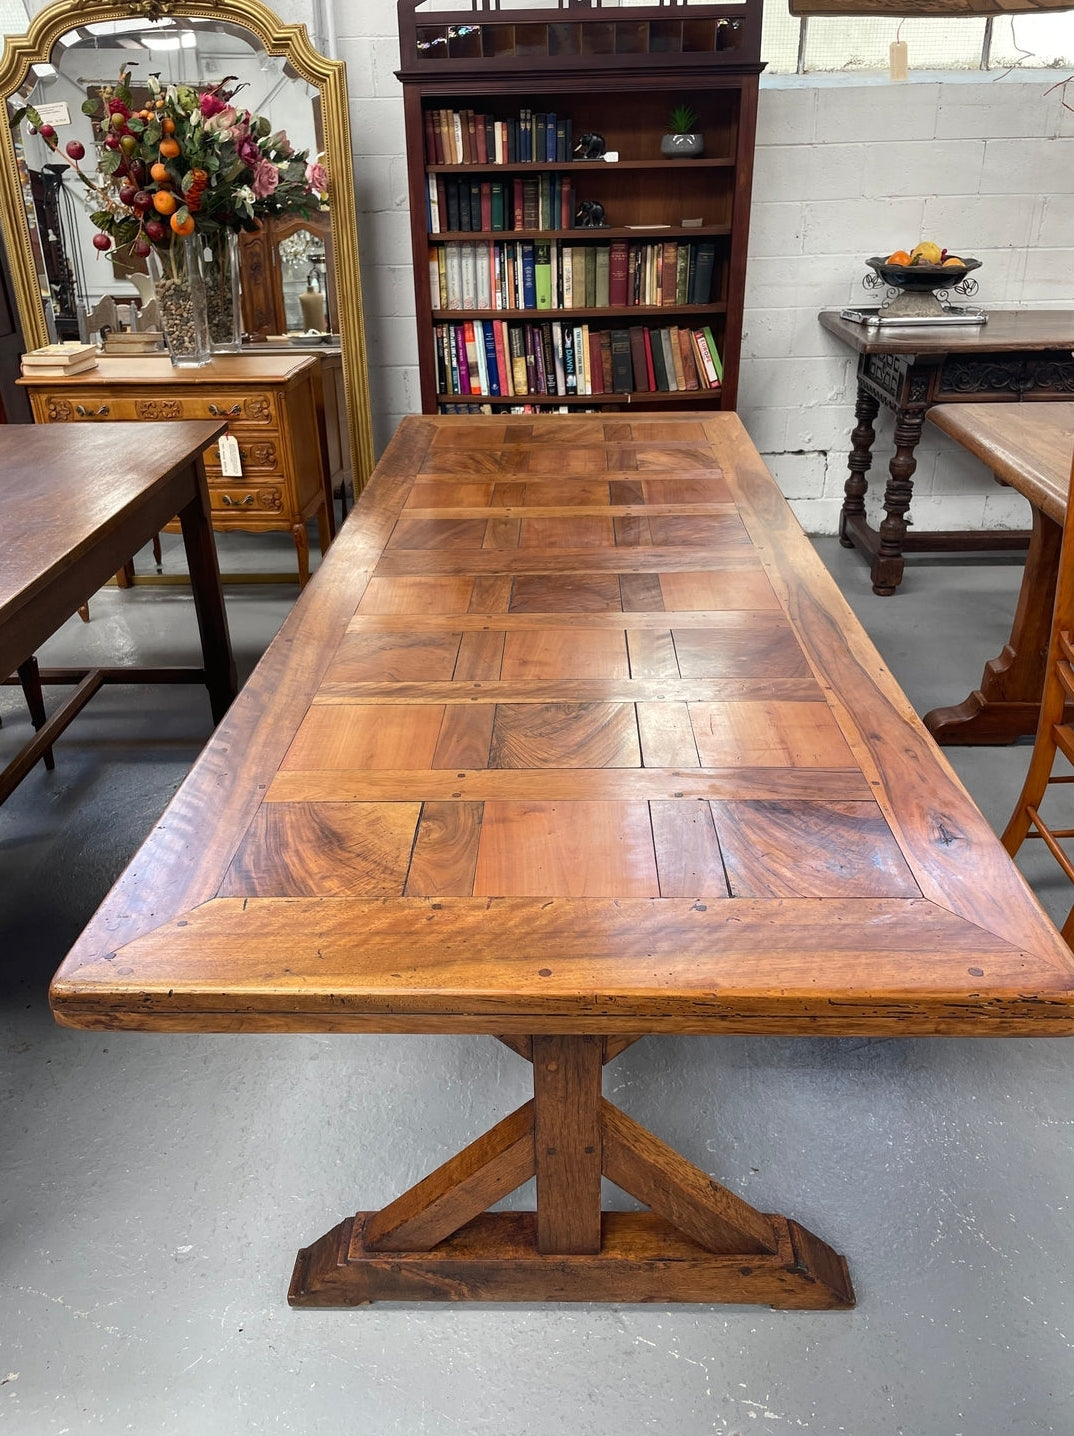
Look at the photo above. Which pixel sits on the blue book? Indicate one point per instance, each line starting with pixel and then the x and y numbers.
pixel 529 281
pixel 491 366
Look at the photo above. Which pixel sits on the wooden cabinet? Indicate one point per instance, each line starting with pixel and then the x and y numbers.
pixel 512 94
pixel 274 408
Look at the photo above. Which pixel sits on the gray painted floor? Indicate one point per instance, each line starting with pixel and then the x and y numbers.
pixel 153 1190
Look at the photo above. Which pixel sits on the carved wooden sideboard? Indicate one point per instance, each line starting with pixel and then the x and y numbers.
pixel 1018 355
pixel 273 405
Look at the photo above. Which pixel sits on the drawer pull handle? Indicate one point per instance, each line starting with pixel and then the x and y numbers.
pixel 230 503
pixel 84 413
pixel 224 413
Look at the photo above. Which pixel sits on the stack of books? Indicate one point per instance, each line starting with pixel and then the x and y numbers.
pixel 56 361
pixel 133 341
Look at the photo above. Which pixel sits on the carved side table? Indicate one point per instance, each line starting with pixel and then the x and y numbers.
pixel 1018 355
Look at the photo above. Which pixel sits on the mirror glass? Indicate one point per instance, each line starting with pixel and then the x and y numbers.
pixel 201 53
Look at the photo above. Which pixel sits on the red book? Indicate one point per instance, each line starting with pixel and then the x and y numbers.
pixel 669 271
pixel 617 272
pixel 606 372
pixel 518 204
pixel 481 140
pixel 596 365
pixel 689 368
pixel 470 138
pixel 566 203
pixel 430 138
pixel 650 372
pixel 502 363
pixel 486 206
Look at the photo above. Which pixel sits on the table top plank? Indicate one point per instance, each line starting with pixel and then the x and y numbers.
pixel 1028 446
pixel 563 844
pixel 1006 329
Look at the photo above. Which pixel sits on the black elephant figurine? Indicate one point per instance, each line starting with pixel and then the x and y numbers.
pixel 589 214
pixel 589 146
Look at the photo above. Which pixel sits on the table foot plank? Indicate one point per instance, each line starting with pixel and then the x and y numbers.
pixel 642 1258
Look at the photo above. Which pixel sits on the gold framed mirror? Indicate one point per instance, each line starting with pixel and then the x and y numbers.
pixel 102 30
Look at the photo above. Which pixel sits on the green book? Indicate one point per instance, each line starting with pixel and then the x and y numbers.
pixel 497 204
pixel 542 274
pixel 602 269
pixel 715 353
pixel 590 276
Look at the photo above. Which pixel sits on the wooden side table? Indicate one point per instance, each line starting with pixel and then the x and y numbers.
pixel 273 405
pixel 1018 355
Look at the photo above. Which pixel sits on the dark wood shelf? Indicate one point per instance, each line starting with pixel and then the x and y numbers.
pixel 594 166
pixel 675 396
pixel 648 234
pixel 639 311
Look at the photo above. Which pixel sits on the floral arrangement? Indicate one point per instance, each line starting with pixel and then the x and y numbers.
pixel 185 163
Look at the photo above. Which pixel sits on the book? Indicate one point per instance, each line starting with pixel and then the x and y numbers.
pixel 717 362
pixel 675 353
pixel 606 371
pixel 621 365
pixel 590 276
pixel 701 292
pixel 482 273
pixel 689 368
pixel 503 363
pixel 462 358
pixel 563 354
pixel 638 366
pixel 705 367
pixel 669 272
pixel 59 371
pixel 596 363
pixel 650 369
pixel 71 351
pixel 618 272
pixel 496 204
pixel 542 275
pixel 485 193
pixel 491 366
pixel 682 275
pixel 600 281
pixel 516 342
pixel 657 362
pixel 529 277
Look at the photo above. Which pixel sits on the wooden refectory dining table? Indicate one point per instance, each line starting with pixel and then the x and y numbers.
pixel 571 740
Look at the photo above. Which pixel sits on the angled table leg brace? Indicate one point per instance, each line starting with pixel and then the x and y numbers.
pixel 698 1242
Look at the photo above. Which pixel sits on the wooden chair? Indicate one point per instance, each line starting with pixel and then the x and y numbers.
pixel 1055 729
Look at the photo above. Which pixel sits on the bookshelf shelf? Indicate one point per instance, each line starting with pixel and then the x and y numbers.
pixel 525 90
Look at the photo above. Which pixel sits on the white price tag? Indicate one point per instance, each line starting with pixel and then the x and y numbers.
pixel 230 459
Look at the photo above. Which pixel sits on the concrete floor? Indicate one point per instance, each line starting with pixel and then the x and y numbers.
pixel 154 1189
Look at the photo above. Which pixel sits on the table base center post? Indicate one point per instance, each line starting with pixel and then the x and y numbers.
pixel 698 1242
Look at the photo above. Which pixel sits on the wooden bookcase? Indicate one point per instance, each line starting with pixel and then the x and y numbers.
pixel 618 72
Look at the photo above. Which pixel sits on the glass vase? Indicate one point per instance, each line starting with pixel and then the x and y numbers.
pixel 180 294
pixel 220 268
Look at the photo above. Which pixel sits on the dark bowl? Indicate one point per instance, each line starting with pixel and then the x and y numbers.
pixel 922 277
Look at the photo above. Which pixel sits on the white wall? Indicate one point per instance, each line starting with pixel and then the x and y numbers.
pixel 847 166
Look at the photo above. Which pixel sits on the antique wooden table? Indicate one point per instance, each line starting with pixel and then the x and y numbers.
pixel 1029 448
pixel 74 505
pixel 572 740
pixel 1018 355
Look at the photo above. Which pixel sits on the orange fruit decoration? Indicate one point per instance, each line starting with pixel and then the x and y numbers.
pixel 169 149
pixel 164 202
pixel 159 172
pixel 167 124
pixel 954 259
pixel 900 256
pixel 182 226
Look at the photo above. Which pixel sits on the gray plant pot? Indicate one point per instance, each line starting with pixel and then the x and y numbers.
pixel 682 147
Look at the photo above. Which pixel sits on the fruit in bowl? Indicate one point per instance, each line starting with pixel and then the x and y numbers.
pixel 924 267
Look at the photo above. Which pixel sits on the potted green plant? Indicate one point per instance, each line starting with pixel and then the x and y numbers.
pixel 683 140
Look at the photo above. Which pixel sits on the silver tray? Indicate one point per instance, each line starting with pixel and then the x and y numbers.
pixel 872 314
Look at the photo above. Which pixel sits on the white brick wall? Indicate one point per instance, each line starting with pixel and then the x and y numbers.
pixel 846 166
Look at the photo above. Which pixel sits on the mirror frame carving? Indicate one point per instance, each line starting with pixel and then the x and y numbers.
pixel 291 42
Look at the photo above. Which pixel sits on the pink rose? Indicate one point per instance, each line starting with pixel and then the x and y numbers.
pixel 317 177
pixel 247 151
pixel 221 120
pixel 210 105
pixel 266 178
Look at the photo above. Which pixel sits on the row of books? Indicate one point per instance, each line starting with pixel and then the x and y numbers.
pixel 461 137
pixel 549 274
pixel 540 202
pixel 542 408
pixel 495 358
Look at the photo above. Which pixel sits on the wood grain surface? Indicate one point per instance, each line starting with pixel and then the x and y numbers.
pixel 571 733
pixel 1028 446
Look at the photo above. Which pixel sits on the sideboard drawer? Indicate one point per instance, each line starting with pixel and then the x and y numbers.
pixel 258 408
pixel 261 454
pixel 233 497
